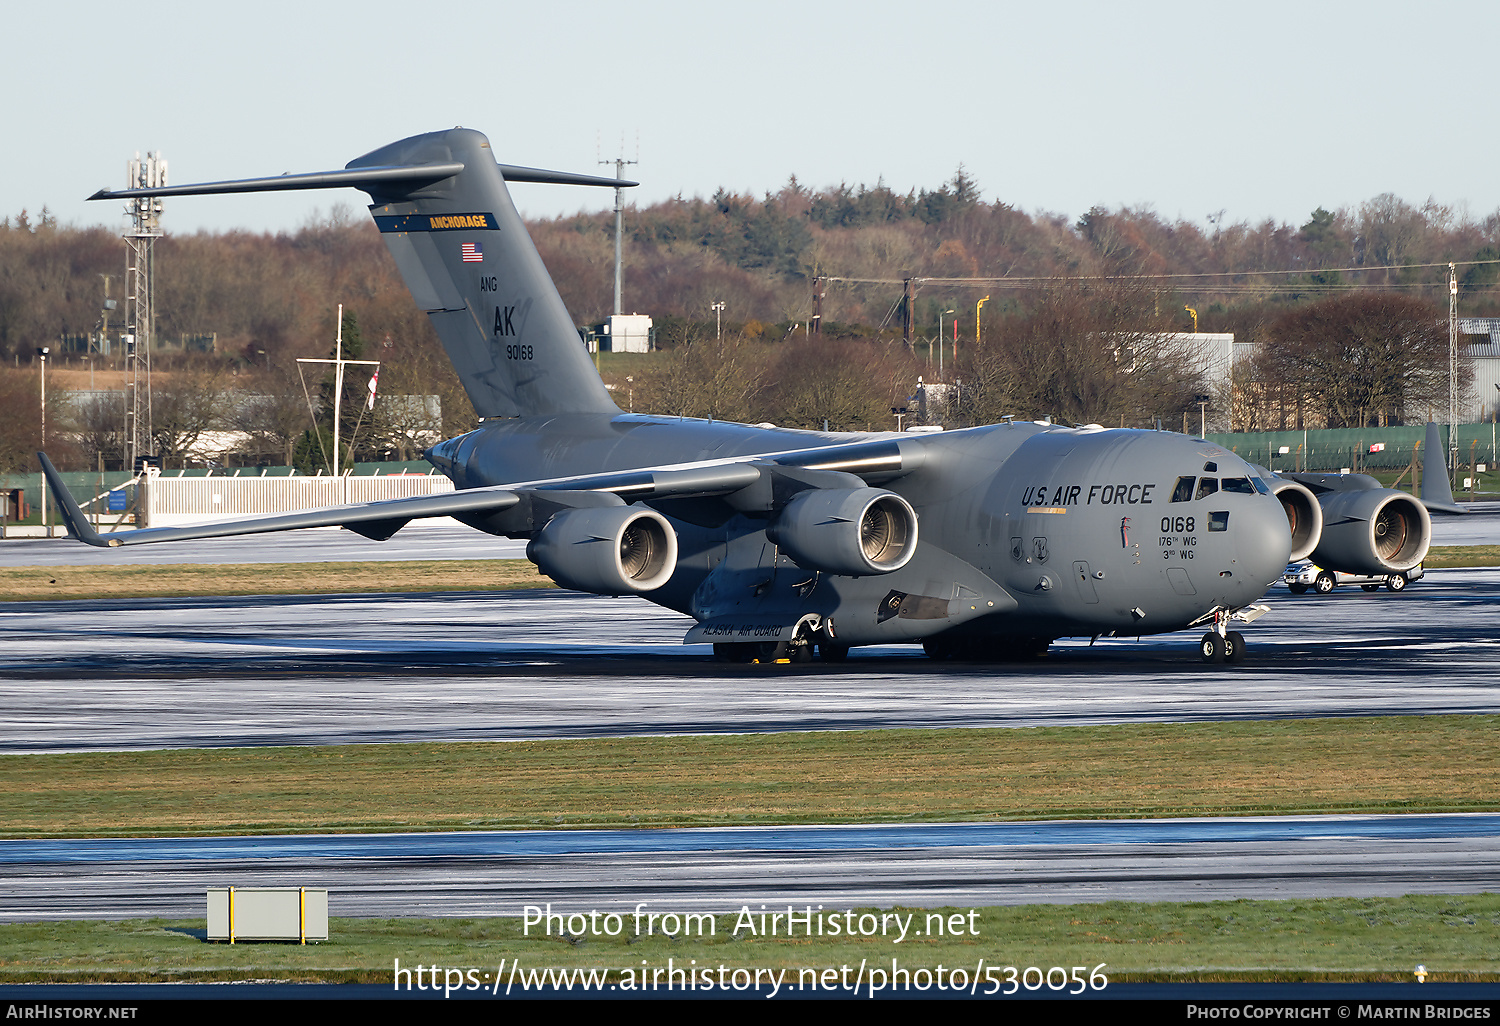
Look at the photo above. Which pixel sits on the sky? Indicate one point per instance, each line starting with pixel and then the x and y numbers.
pixel 1263 110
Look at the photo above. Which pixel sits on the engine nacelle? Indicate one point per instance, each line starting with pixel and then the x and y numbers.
pixel 608 550
pixel 851 531
pixel 1373 531
pixel 1303 515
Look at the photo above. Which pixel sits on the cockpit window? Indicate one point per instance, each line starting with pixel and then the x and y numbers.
pixel 1184 490
pixel 1261 486
pixel 1210 468
pixel 1206 486
pixel 1218 520
pixel 1238 485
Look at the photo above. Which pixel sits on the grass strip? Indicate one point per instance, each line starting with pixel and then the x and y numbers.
pixel 45 583
pixel 1356 765
pixel 1440 556
pixel 1330 939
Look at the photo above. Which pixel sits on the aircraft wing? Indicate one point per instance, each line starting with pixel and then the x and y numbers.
pixel 876 458
pixel 377 520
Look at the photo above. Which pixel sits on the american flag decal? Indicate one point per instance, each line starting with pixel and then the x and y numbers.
pixel 473 253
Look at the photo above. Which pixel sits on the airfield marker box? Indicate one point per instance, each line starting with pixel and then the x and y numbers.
pixel 268 913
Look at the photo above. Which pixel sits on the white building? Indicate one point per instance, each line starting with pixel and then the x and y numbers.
pixel 623 333
pixel 1483 352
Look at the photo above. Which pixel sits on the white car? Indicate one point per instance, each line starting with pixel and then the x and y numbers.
pixel 1299 577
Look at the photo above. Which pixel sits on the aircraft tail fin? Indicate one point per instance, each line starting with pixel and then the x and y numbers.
pixel 441 204
pixel 1437 490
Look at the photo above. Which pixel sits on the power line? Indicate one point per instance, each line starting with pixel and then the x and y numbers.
pixel 1034 279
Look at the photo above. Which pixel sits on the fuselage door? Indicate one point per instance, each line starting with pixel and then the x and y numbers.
pixel 1085 582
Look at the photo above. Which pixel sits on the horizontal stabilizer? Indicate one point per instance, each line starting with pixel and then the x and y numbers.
pixel 358 178
pixel 535 175
pixel 385 179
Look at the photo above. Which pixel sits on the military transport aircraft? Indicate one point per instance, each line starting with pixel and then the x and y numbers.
pixel 981 543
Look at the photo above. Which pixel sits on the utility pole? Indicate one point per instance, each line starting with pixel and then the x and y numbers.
pixel 619 163
pixel 718 321
pixel 98 344
pixel 906 313
pixel 140 307
pixel 820 289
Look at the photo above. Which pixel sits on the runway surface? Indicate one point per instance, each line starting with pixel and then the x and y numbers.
pixel 153 673
pixel 721 870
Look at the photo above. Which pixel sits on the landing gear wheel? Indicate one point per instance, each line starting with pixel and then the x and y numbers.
pixel 729 652
pixel 1212 648
pixel 756 651
pixel 940 649
pixel 770 651
pixel 1297 589
pixel 833 653
pixel 1369 587
pixel 1325 582
pixel 1395 582
pixel 1234 647
pixel 800 653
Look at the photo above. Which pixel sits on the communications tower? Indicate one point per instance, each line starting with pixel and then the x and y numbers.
pixel 140 306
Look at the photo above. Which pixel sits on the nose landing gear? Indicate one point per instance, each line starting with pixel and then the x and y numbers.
pixel 1222 645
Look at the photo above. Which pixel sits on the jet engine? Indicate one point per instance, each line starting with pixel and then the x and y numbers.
pixel 1373 531
pixel 851 531
pixel 608 550
pixel 1303 515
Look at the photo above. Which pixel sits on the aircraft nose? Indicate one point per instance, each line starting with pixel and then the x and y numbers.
pixel 1264 543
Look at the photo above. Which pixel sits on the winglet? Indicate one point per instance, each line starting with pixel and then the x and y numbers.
pixel 1437 491
pixel 78 524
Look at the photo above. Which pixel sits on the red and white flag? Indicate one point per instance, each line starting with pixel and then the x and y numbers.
pixel 373 379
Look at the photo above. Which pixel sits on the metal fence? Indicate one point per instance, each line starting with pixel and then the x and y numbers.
pixel 1355 449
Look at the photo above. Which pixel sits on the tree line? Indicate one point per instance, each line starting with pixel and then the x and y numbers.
pixel 1078 293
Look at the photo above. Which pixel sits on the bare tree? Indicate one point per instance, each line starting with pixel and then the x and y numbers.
pixel 1080 354
pixel 1361 359
pixel 20 432
pixel 185 407
pixel 272 421
pixel 714 378
pixel 97 422
pixel 848 385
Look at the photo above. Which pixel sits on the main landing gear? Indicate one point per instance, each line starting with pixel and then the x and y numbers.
pixel 811 632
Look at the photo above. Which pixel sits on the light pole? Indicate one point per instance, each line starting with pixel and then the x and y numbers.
pixel 42 352
pixel 718 321
pixel 977 307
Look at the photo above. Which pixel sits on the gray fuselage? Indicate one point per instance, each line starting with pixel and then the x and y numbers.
pixel 1025 529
